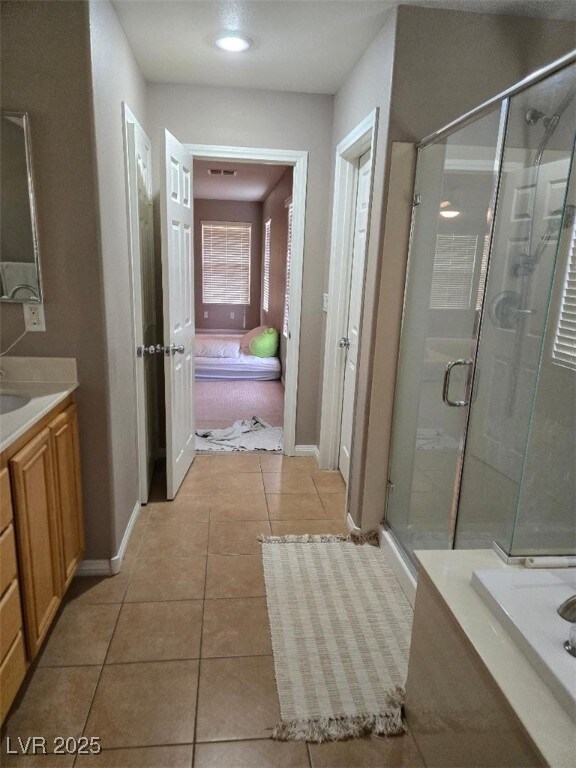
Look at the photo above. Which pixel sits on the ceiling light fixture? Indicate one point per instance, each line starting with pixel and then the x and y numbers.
pixel 233 42
pixel 449 214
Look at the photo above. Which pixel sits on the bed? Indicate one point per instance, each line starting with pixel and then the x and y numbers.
pixel 220 357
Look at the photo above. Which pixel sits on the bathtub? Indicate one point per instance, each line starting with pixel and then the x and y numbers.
pixel 525 602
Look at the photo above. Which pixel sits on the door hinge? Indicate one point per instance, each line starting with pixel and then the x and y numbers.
pixel 416 200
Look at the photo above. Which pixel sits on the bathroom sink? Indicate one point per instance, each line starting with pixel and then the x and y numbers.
pixel 9 403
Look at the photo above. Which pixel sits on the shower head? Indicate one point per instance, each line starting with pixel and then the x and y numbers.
pixel 532 116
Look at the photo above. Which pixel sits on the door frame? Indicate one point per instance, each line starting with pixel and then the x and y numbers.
pixel 299 161
pixel 348 152
pixel 129 121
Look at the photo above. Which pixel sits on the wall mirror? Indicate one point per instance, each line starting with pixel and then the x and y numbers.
pixel 20 279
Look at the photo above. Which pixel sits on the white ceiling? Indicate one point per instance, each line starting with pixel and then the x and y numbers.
pixel 299 45
pixel 253 182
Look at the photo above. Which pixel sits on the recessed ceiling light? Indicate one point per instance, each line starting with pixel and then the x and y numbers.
pixel 233 42
pixel 449 214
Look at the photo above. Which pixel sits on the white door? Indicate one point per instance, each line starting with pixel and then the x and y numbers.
pixel 178 300
pixel 139 164
pixel 354 310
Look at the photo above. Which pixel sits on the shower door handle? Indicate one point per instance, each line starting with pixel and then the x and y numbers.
pixel 446 384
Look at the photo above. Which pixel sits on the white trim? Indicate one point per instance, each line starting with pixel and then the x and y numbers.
pixel 351 525
pixel 113 566
pixel 348 152
pixel 306 450
pixel 405 577
pixel 299 160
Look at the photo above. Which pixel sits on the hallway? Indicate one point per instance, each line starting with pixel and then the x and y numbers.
pixel 175 651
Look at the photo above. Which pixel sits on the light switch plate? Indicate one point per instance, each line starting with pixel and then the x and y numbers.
pixel 34 317
pixel 325 302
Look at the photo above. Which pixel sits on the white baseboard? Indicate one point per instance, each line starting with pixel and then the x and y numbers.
pixel 111 567
pixel 307 450
pixel 351 525
pixel 405 577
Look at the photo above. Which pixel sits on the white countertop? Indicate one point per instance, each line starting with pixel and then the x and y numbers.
pixel 545 719
pixel 46 380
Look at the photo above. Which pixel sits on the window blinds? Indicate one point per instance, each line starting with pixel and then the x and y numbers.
pixel 453 273
pixel 564 351
pixel 288 259
pixel 266 270
pixel 226 262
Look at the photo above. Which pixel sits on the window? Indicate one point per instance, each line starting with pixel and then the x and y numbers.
pixel 564 351
pixel 453 274
pixel 226 262
pixel 266 270
pixel 288 259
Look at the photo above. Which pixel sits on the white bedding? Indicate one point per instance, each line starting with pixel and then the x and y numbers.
pixel 217 346
pixel 243 365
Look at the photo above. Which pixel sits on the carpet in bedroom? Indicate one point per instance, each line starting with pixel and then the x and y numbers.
pixel 220 403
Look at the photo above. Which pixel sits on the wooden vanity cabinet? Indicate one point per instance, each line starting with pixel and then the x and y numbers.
pixel 41 538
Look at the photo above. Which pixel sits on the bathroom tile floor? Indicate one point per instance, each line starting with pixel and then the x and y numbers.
pixel 170 661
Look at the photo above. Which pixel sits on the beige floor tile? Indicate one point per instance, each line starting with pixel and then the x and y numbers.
pixel 179 578
pixel 302 527
pixel 236 538
pixel 202 463
pixel 294 506
pixel 305 464
pixel 140 757
pixel 237 482
pixel 197 482
pixel 236 627
pixel 393 752
pixel 234 576
pixel 236 462
pixel 184 509
pixel 157 632
pixel 164 540
pixel 98 589
pixel 55 703
pixel 138 705
pixel 288 482
pixel 237 699
pixel 80 636
pixel 334 504
pixel 263 753
pixel 239 506
pixel 329 482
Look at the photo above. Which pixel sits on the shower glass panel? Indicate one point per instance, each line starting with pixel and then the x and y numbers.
pixel 455 189
pixel 518 383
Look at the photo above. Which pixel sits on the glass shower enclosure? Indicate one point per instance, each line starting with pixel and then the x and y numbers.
pixel 484 434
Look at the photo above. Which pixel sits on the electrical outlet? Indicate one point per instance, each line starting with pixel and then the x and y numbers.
pixel 325 302
pixel 205 314
pixel 231 315
pixel 34 317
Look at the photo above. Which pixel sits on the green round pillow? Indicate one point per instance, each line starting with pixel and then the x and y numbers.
pixel 265 344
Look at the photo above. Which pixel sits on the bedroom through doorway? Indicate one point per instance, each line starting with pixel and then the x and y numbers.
pixel 242 249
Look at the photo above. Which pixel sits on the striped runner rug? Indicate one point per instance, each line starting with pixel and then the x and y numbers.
pixel 340 626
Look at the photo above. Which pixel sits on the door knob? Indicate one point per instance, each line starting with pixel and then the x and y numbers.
pixel 344 342
pixel 143 351
pixel 173 348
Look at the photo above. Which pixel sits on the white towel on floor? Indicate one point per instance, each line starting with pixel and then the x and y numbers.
pixel 244 435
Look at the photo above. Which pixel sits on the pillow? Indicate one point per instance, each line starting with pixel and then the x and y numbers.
pixel 216 346
pixel 266 344
pixel 247 338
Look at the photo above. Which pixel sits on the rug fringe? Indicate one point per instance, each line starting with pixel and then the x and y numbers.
pixel 371 537
pixel 318 730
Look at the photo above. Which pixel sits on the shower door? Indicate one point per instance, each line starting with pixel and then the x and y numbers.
pixel 455 190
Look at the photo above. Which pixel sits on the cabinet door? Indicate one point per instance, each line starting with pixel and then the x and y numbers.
pixel 64 431
pixel 36 516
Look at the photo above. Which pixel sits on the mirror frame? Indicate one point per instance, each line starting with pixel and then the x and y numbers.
pixel 33 208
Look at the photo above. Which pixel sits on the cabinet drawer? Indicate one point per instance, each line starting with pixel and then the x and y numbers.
pixel 8 567
pixel 12 673
pixel 5 500
pixel 10 618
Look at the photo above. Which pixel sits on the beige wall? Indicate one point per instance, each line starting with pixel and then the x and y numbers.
pixel 275 209
pixel 252 118
pixel 46 72
pixel 479 56
pixel 116 78
pixel 219 314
